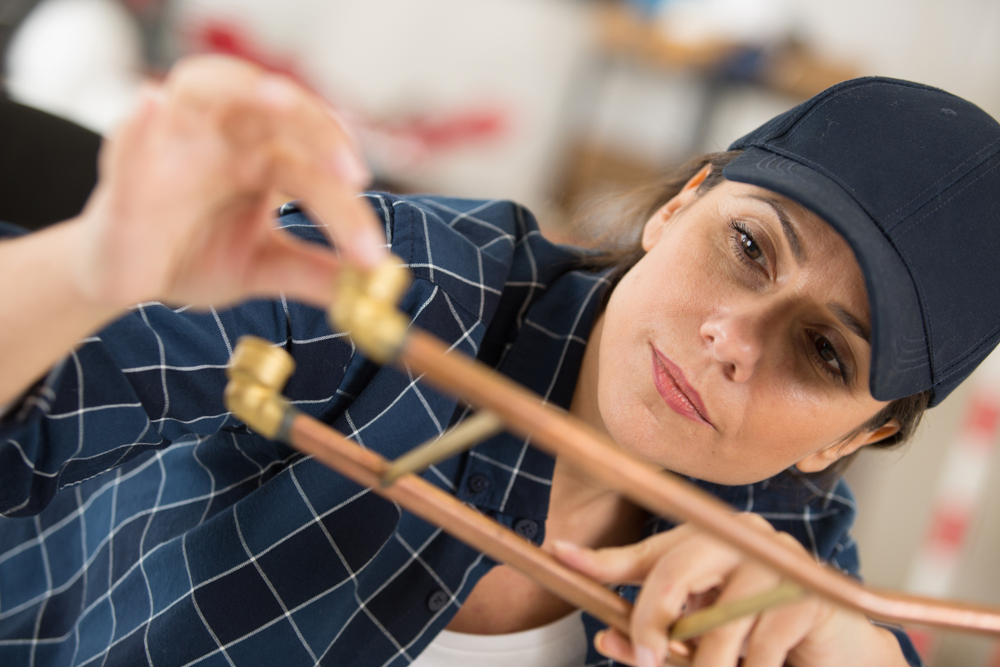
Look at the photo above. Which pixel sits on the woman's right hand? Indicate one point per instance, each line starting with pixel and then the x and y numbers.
pixel 183 210
pixel 679 566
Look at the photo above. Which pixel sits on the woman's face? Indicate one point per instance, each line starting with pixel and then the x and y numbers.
pixel 738 346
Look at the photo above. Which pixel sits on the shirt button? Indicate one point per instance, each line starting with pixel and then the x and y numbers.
pixel 526 528
pixel 437 600
pixel 478 483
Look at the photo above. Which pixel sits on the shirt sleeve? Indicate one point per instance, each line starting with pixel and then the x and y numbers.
pixel 154 377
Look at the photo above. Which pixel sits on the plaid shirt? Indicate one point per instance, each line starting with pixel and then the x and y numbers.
pixel 147 525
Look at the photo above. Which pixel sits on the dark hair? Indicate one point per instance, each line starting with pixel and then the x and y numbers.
pixel 618 244
pixel 619 248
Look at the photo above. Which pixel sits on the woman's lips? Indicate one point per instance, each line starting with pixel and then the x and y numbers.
pixel 676 392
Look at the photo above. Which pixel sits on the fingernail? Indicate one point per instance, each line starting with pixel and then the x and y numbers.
pixel 645 657
pixel 349 167
pixel 368 247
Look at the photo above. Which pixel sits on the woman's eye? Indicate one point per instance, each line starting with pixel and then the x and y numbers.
pixel 827 353
pixel 748 248
pixel 828 358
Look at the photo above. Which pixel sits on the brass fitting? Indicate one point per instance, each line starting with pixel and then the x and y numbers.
pixel 365 305
pixel 257 372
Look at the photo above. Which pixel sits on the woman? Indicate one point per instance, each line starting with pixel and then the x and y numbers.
pixel 735 351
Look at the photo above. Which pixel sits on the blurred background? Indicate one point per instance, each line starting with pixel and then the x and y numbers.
pixel 553 103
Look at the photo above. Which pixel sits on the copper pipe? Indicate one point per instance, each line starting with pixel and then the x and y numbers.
pixel 442 509
pixel 259 370
pixel 665 494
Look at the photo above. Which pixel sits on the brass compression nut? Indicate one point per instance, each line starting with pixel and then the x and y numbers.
pixel 365 306
pixel 257 372
pixel 388 282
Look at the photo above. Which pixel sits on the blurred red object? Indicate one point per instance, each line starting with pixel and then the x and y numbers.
pixel 232 40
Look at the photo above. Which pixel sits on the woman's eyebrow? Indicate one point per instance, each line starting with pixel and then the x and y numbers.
pixel 786 226
pixel 850 321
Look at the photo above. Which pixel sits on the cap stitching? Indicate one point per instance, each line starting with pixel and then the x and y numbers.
pixel 968 185
pixel 783 121
pixel 967 358
pixel 790 119
pixel 823 171
pixel 868 85
pixel 945 176
pixel 823 98
pixel 925 320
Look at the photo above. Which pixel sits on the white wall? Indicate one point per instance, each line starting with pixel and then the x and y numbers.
pixel 952 44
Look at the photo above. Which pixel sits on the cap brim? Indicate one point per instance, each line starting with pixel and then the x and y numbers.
pixel 900 365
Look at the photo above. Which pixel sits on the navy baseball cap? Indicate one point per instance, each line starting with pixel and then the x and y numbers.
pixel 909 175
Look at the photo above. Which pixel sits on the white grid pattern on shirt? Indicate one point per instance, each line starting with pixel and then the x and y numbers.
pixel 567 339
pixel 149 513
pixel 290 464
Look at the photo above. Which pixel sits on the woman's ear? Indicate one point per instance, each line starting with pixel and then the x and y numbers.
pixel 830 454
pixel 653 228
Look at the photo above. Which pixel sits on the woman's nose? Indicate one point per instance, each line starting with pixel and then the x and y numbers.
pixel 736 341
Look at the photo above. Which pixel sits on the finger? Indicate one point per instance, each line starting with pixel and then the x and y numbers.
pixel 127 137
pixel 696 565
pixel 251 105
pixel 619 565
pixel 205 91
pixel 131 128
pixel 316 161
pixel 613 644
pixel 778 631
pixel 631 564
pixel 617 646
pixel 243 255
pixel 349 219
pixel 306 152
pixel 723 645
pixel 305 115
pixel 117 160
pixel 275 106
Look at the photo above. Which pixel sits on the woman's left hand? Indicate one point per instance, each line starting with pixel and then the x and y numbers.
pixel 677 567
